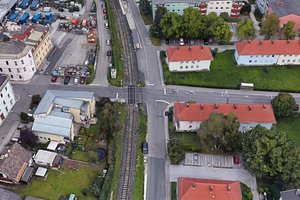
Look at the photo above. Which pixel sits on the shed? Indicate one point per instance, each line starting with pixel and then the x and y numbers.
pixel 26 177
pixel 52 145
pixel 41 172
pixel 8 195
pixel 44 158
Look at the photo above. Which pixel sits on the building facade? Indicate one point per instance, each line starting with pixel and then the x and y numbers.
pixel 188 117
pixel 267 52
pixel 231 7
pixel 7 97
pixel 185 59
pixel 16 60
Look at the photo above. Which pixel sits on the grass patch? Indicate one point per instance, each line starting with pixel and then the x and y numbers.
pixel 291 127
pixel 138 192
pixel 116 48
pixel 225 74
pixel 91 78
pixel 148 20
pixel 62 182
pixel 173 190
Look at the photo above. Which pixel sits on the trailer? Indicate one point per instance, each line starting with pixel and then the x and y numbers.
pixel 34 5
pixel 13 16
pixel 24 18
pixel 36 17
pixel 24 4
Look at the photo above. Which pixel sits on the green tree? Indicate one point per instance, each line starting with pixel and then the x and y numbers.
pixel 209 20
pixel 93 157
pixel 171 25
pixel 220 132
pixel 175 151
pixel 269 26
pixel 246 30
pixel 221 31
pixel 288 32
pixel 24 117
pixel 192 22
pixel 246 9
pixel 145 7
pixel 160 12
pixel 283 105
pixel 95 187
pixel 155 29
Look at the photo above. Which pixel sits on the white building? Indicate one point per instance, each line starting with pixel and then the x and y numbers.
pixel 185 59
pixel 7 97
pixel 16 60
pixel 44 158
pixel 267 52
pixel 189 116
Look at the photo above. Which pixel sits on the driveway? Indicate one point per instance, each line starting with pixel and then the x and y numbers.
pixel 241 175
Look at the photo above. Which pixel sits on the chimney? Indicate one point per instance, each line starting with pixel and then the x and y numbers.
pixel 234 106
pixel 187 105
pixel 228 188
pixel 202 107
pixel 249 41
pixel 211 187
pixel 249 108
pixel 260 42
pixel 264 106
pixel 190 48
pixel 216 106
pixel 288 41
pixel 193 186
pixel 201 47
pixel 272 41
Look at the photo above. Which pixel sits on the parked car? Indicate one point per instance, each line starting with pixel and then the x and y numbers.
pixel 76 80
pixel 108 53
pixel 106 25
pixel 236 159
pixel 108 42
pixel 145 147
pixel 67 80
pixel 82 80
pixel 104 16
pixel 53 79
pixel 181 42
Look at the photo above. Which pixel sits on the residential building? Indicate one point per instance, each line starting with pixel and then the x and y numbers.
pixel 8 195
pixel 293 194
pixel 208 189
pixel 16 60
pixel 7 97
pixel 262 5
pixel 58 113
pixel 231 7
pixel 13 163
pixel 267 52
pixel 44 158
pixel 192 58
pixel 189 116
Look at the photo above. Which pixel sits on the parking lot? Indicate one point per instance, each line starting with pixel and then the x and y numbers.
pixel 205 160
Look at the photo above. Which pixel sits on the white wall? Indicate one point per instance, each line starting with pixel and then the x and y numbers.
pixel 255 60
pixel 219 7
pixel 189 66
pixel 7 100
pixel 21 69
pixel 289 60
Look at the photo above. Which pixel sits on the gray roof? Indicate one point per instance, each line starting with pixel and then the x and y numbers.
pixel 71 103
pixel 12 47
pixel 51 95
pixel 286 7
pixel 2 79
pixel 290 195
pixel 8 195
pixel 184 1
pixel 26 177
pixel 53 125
pixel 56 113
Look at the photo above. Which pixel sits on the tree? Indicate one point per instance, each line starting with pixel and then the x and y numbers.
pixel 220 132
pixel 35 100
pixel 270 154
pixel 24 117
pixel 171 25
pixel 175 151
pixel 145 7
pixel 93 157
pixel 246 30
pixel 27 138
pixel 283 105
pixel 192 22
pixel 155 29
pixel 246 9
pixel 95 187
pixel 288 32
pixel 269 26
pixel 160 12
pixel 221 31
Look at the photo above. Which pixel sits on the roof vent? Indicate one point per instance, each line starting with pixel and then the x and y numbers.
pixel 260 42
pixel 193 186
pixel 202 107
pixel 228 188
pixel 288 41
pixel 187 105
pixel 264 106
pixel 211 187
pixel 234 106
pixel 272 41
pixel 249 108
pixel 190 48
pixel 216 106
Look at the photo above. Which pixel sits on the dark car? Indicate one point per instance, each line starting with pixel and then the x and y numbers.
pixel 108 53
pixel 236 159
pixel 145 148
pixel 53 79
pixel 82 80
pixel 67 80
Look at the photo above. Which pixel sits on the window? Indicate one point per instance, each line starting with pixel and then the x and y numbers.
pixel 294 60
pixel 197 66
pixel 186 67
pixel 7 63
pixel 18 70
pixel 33 69
pixel 9 70
pixel 4 102
pixel 1 70
pixel 8 95
pixel 11 102
pixel 11 76
pixel 16 63
pixel 221 7
pixel 5 88
pixel 24 68
pixel 250 61
pixel 181 67
pixel 283 61
pixel 29 55
pixel 192 66
pixel 22 62
pixel 20 77
pixel 1 95
pixel 255 61
pixel 6 109
pixel 273 56
pixel 288 60
pixel 216 7
pixel 227 7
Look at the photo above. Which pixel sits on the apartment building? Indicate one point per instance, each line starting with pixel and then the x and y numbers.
pixel 267 52
pixel 231 7
pixel 7 97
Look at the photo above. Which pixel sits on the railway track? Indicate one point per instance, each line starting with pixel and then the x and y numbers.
pixel 129 153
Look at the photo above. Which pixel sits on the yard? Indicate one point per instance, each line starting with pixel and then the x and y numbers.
pixel 291 127
pixel 62 182
pixel 225 74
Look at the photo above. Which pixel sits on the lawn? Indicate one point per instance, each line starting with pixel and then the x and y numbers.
pixel 116 48
pixel 173 190
pixel 291 127
pixel 138 192
pixel 62 182
pixel 225 74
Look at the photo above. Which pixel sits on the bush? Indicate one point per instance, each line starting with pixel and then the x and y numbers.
pixel 246 9
pixel 225 16
pixel 156 41
pixel 84 191
pixel 246 192
pixel 24 117
pixel 35 100
pixel 175 151
pixel 95 187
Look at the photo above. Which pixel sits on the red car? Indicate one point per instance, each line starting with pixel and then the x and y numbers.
pixel 236 159
pixel 104 11
pixel 53 79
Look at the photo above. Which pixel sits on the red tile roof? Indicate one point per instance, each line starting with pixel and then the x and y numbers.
pixel 268 47
pixel 186 53
pixel 205 189
pixel 246 113
pixel 291 17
